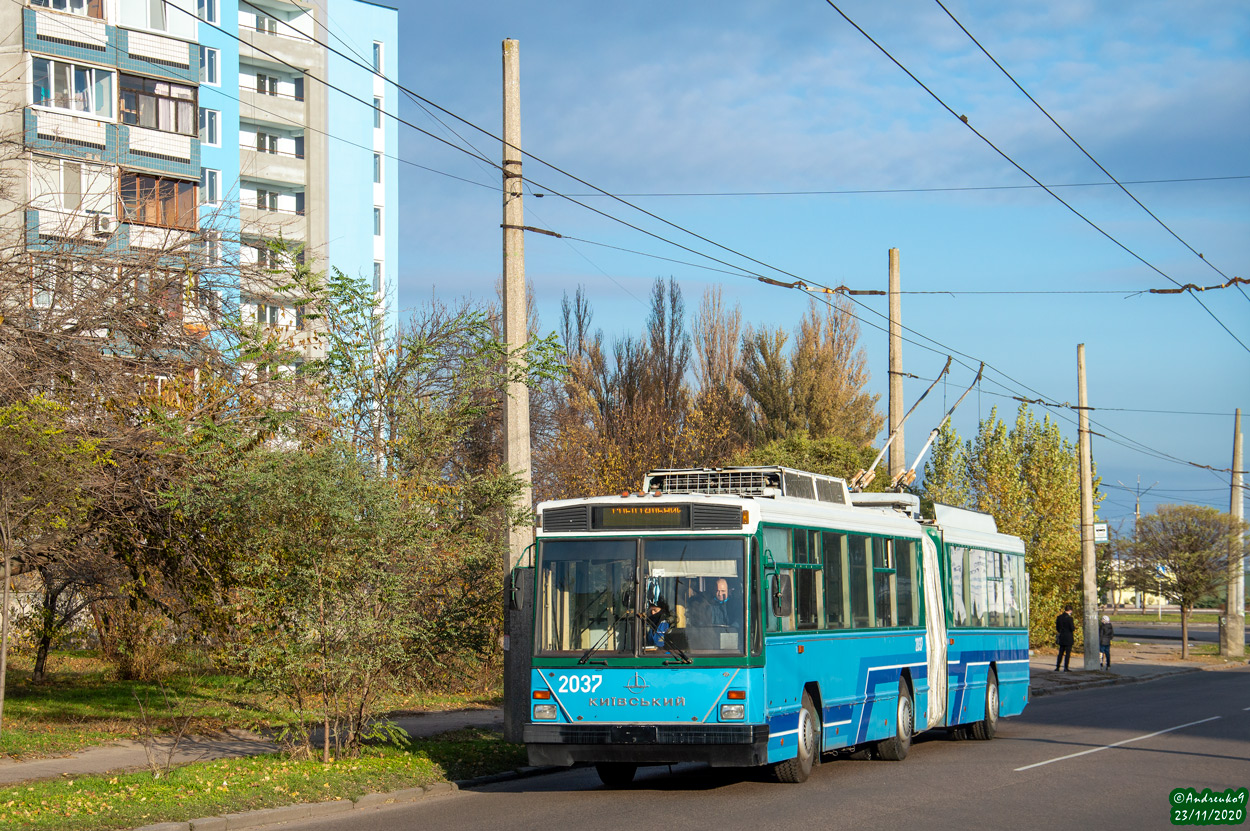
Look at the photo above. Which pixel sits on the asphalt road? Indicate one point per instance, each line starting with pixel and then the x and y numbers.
pixel 1208 633
pixel 1103 758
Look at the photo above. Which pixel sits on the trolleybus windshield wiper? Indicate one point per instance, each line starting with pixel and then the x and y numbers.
pixel 667 647
pixel 599 643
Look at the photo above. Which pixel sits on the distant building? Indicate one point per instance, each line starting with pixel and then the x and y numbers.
pixel 207 126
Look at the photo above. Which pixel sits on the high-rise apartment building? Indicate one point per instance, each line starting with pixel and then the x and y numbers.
pixel 219 127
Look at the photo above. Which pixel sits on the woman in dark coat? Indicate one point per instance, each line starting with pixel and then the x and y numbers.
pixel 1065 636
pixel 1105 633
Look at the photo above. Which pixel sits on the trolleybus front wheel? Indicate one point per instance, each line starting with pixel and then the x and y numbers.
pixel 808 746
pixel 988 726
pixel 616 774
pixel 894 749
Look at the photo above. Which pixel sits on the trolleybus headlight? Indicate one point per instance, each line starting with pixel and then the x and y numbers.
pixel 730 712
pixel 545 712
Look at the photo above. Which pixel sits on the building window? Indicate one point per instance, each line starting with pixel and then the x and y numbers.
pixel 173 17
pixel 266 142
pixel 210 186
pixel 266 24
pixel 212 249
pixel 377 113
pixel 210 132
pixel 267 313
pixel 153 200
pixel 377 56
pixel 87 8
pixel 377 222
pixel 69 86
pixel 158 105
pixel 377 277
pixel 210 66
pixel 377 168
pixel 266 200
pixel 266 84
pixel 207 10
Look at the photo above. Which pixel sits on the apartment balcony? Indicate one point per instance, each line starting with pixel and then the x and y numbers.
pixel 287 48
pixel 156 238
pixel 273 224
pixel 159 151
pixel 67 35
pixel 271 109
pixel 157 55
pixel 272 167
pixel 66 134
pixel 79 226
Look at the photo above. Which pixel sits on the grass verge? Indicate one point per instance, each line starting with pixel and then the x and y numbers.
pixel 84 704
pixel 232 785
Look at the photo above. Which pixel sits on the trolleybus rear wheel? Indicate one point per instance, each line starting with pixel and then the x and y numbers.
pixel 894 749
pixel 988 726
pixel 616 774
pixel 808 746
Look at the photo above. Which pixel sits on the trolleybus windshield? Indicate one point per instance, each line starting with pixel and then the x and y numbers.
pixel 642 596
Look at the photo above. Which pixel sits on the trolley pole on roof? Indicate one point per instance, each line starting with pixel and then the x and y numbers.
pixel 898 452
pixel 1089 581
pixel 516 406
pixel 1233 638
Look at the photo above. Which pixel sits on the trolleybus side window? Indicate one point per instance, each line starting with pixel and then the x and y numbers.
pixel 807 581
pixel 976 587
pixel 883 581
pixel 860 579
pixel 904 580
pixel 994 588
pixel 833 553
pixel 777 543
pixel 959 586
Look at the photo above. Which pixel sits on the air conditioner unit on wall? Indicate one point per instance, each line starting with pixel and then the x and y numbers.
pixel 102 225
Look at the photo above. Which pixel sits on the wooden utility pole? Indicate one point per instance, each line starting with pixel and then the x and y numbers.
pixel 1233 638
pixel 1089 580
pixel 516 407
pixel 898 453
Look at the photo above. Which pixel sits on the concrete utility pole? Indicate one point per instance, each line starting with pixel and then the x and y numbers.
pixel 1233 638
pixel 898 453
pixel 516 408
pixel 1089 581
pixel 1139 493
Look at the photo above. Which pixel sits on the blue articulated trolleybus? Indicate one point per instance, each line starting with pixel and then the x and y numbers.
pixel 761 616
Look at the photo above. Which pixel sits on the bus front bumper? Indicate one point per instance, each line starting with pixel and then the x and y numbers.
pixel 719 745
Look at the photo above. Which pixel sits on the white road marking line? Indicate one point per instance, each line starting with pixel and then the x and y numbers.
pixel 1117 744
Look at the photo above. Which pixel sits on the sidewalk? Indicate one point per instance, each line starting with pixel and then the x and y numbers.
pixel 131 755
pixel 1129 664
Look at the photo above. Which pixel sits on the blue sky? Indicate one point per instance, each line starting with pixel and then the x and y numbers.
pixel 726 96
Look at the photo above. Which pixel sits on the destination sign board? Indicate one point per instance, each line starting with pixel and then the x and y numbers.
pixel 639 517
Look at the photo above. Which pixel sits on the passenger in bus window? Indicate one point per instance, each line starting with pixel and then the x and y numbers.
pixel 657 624
pixel 717 608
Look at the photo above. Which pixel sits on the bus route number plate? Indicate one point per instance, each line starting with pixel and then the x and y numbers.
pixel 635 734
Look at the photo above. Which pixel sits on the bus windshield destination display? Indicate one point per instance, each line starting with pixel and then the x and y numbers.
pixel 639 517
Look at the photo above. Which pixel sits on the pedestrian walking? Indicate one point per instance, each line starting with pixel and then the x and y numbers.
pixel 1065 636
pixel 1105 632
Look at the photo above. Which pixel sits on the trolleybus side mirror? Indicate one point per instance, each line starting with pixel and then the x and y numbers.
pixel 783 596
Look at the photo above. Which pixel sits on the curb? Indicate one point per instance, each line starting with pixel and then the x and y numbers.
pixel 308 810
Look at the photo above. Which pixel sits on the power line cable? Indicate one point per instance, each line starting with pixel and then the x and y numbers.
pixel 1019 167
pixel 870 191
pixel 798 281
pixel 1078 145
